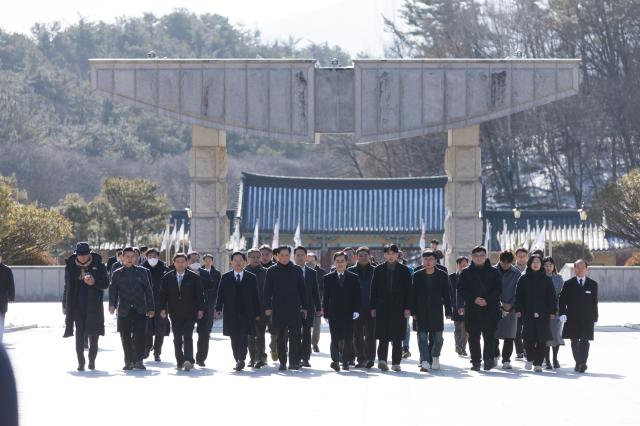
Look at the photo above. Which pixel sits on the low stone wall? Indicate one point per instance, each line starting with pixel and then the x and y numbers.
pixel 38 283
pixel 615 283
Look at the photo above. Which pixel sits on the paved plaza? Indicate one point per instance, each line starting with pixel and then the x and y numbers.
pixel 51 390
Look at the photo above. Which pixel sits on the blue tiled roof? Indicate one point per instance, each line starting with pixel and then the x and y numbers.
pixel 332 206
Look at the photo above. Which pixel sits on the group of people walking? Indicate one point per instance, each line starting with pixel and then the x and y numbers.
pixel 521 301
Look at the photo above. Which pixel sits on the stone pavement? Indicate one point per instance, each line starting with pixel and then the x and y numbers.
pixel 50 389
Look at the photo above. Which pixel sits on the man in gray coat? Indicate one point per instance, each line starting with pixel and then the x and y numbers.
pixel 507 326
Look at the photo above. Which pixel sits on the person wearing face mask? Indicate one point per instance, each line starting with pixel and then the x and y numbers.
pixel 341 307
pixel 157 327
pixel 203 326
pixel 85 279
pixel 536 305
pixel 7 292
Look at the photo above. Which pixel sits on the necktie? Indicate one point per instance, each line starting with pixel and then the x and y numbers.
pixel 341 279
pixel 580 281
pixel 237 278
pixel 179 280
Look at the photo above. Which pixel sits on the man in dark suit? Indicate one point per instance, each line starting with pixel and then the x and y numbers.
pixel 579 312
pixel 312 262
pixel 131 293
pixel 203 325
pixel 459 332
pixel 341 306
pixel 7 292
pixel 181 295
pixel 390 306
pixel 364 333
pixel 238 300
pixel 285 298
pixel 312 304
pixel 257 342
pixel 210 267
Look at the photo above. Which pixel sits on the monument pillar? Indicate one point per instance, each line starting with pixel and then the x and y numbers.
pixel 208 193
pixel 463 193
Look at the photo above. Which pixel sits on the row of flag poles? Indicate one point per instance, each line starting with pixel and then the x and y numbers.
pixel 237 241
pixel 175 239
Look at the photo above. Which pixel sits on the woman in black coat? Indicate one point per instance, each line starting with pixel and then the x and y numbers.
pixel 536 305
pixel 85 279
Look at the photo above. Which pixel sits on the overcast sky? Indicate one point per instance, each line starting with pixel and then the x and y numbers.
pixel 355 25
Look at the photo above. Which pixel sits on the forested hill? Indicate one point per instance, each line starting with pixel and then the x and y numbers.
pixel 56 137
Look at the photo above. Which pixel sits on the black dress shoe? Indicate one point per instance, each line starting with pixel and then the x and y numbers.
pixel 260 364
pixel 294 367
pixel 80 367
pixel 92 365
pixel 316 349
pixel 201 364
pixel 239 366
pixel 345 367
pixel 489 364
pixel 156 358
pixel 252 364
pixel 475 367
pixel 306 364
pixel 361 365
pixel 128 366
pixel 577 368
pixel 335 366
pixel 282 367
pixel 556 364
pixel 139 366
pixel 583 368
pixel 369 365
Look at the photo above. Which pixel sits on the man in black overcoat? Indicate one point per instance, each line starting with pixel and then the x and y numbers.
pixel 238 300
pixel 364 333
pixel 285 298
pixel 85 279
pixel 390 306
pixel 341 306
pixel 204 324
pixel 429 297
pixel 7 292
pixel 182 296
pixel 257 354
pixel 481 285
pixel 312 305
pixel 579 312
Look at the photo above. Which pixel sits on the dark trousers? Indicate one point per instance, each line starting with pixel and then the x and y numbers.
pixel 203 339
pixel 489 345
pixel 396 352
pixel 536 351
pixel 239 346
pixel 80 339
pixel 305 349
pixel 292 334
pixel 257 342
pixel 341 341
pixel 132 334
pixel 153 340
pixel 580 349
pixel 183 339
pixel 364 337
pixel 507 349
pixel 518 340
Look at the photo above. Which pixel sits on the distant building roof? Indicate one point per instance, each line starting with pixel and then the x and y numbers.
pixel 335 205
